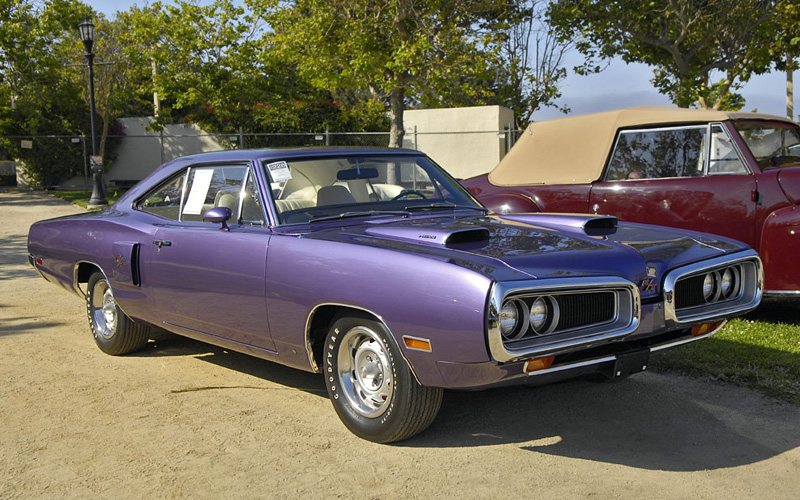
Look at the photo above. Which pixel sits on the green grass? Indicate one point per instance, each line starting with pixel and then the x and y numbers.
pixel 81 198
pixel 760 351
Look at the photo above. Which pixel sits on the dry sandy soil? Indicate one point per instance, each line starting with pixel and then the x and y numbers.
pixel 187 420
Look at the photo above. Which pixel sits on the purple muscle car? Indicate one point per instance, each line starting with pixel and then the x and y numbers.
pixel 378 270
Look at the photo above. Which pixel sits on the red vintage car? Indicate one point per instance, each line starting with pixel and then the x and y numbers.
pixel 732 174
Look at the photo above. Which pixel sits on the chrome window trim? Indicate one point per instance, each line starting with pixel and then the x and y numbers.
pixel 726 132
pixel 555 343
pixel 748 299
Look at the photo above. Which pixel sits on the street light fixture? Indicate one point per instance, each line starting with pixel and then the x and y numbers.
pixel 98 198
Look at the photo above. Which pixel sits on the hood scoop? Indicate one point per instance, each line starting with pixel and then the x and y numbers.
pixel 432 235
pixel 591 225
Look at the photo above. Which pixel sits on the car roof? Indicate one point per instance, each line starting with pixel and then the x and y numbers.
pixel 292 152
pixel 573 150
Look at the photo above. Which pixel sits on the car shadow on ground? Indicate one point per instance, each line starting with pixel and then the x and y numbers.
pixel 655 422
pixel 166 344
pixel 648 421
pixel 23 325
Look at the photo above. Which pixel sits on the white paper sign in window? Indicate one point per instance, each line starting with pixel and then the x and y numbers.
pixel 197 196
pixel 279 171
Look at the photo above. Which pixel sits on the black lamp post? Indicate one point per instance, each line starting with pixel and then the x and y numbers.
pixel 98 198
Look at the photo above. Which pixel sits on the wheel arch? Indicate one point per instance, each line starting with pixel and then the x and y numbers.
pixel 322 317
pixel 81 274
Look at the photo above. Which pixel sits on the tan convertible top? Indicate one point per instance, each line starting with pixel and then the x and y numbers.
pixel 573 150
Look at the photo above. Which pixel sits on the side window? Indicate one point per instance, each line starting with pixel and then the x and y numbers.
pixel 210 187
pixel 724 159
pixel 252 207
pixel 190 194
pixel 662 153
pixel 166 200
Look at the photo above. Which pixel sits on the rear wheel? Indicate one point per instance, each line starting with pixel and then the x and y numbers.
pixel 372 388
pixel 114 332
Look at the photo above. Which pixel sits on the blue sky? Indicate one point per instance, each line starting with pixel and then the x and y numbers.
pixel 620 85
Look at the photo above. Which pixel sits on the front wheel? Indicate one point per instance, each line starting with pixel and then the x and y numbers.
pixel 113 331
pixel 372 388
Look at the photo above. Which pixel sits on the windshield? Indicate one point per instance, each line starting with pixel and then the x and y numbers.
pixel 772 143
pixel 309 189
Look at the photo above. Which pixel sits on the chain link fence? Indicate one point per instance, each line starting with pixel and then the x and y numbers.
pixel 462 153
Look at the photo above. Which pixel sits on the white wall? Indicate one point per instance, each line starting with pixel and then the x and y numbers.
pixel 141 151
pixel 465 141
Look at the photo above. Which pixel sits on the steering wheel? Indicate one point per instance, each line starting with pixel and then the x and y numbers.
pixel 408 192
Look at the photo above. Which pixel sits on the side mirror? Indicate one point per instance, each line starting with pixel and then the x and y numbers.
pixel 219 215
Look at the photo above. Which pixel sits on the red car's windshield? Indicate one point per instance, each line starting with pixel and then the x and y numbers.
pixel 772 143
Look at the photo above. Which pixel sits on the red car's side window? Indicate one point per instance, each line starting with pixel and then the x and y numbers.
pixel 652 154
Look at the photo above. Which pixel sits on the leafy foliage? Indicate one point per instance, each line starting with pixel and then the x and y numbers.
pixel 530 67
pixel 396 49
pixel 687 42
pixel 208 66
pixel 38 96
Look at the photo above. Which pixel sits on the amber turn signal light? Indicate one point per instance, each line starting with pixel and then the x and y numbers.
pixel 417 343
pixel 705 328
pixel 537 364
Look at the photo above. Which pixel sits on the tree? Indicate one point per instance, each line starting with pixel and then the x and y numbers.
pixel 530 68
pixel 785 49
pixel 117 79
pixel 197 56
pixel 40 98
pixel 687 42
pixel 393 48
pixel 206 65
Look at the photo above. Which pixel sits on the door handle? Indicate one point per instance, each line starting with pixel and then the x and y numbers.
pixel 162 243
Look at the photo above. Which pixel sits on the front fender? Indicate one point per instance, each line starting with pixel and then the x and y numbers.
pixel 780 244
pixel 413 295
pixel 510 203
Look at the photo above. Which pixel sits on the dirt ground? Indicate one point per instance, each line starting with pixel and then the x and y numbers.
pixel 187 420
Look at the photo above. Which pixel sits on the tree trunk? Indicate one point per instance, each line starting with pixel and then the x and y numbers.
pixel 396 108
pixel 789 87
pixel 156 101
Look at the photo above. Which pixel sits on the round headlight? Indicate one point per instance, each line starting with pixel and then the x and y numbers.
pixel 729 282
pixel 539 313
pixel 709 283
pixel 512 320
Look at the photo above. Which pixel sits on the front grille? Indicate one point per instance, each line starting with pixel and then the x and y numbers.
pixel 719 287
pixel 546 316
pixel 689 292
pixel 566 312
pixel 584 309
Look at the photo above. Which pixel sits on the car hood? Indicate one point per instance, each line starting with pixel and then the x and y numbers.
pixel 506 248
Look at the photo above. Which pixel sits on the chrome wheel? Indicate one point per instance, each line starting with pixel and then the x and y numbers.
pixel 104 310
pixel 365 372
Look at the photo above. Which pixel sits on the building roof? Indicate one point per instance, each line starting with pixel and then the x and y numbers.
pixel 573 150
